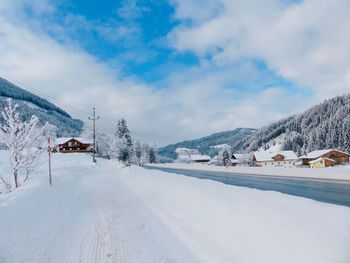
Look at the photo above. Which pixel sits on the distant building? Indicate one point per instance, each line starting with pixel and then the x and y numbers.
pixel 321 162
pixel 195 158
pixel 73 145
pixel 241 159
pixel 280 159
pixel 337 156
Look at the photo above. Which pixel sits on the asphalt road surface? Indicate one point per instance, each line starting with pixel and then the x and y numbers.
pixel 329 191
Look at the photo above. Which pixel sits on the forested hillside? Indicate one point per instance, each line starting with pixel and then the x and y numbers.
pixel 234 138
pixel 324 126
pixel 30 104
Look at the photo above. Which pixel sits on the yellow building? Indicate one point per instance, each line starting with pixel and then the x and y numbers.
pixel 321 163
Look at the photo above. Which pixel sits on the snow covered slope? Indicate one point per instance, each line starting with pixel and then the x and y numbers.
pixel 324 126
pixel 105 213
pixel 30 104
pixel 206 145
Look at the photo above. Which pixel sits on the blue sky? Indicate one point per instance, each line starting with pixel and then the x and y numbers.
pixel 178 69
pixel 143 53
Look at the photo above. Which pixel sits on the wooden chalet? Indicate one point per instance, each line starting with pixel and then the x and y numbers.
pixel 337 156
pixel 74 145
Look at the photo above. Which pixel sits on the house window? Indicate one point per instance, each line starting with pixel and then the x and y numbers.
pixel 69 144
pixel 265 163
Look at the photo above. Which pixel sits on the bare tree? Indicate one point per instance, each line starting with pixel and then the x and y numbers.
pixel 20 138
pixel 38 144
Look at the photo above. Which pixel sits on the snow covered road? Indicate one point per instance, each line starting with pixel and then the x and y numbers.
pixel 104 213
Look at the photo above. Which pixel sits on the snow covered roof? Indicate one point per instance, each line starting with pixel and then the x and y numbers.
pixel 66 139
pixel 198 157
pixel 319 153
pixel 240 155
pixel 263 156
pixel 320 159
pixel 194 158
pixel 267 156
pixel 288 155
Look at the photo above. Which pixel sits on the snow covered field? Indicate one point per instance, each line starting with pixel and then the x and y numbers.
pixel 105 213
pixel 333 173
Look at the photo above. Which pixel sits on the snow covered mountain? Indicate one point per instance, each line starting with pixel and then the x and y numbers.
pixel 206 145
pixel 30 104
pixel 324 126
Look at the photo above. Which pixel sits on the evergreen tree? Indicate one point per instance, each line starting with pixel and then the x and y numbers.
pixel 152 155
pixel 145 153
pixel 123 146
pixel 138 151
pixel 226 160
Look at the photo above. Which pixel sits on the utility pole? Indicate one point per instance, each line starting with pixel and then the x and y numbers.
pixel 49 151
pixel 93 119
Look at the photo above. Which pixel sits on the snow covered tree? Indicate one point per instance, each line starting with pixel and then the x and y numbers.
pixel 122 146
pixel 102 140
pixel 152 155
pixel 37 146
pixel 145 153
pixel 20 138
pixel 225 158
pixel 138 151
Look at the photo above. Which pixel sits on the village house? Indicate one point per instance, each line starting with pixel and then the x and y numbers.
pixel 186 155
pixel 337 156
pixel 280 159
pixel 321 162
pixel 74 145
pixel 195 158
pixel 241 159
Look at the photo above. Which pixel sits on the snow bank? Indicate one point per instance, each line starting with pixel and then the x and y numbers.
pixel 222 223
pixel 333 173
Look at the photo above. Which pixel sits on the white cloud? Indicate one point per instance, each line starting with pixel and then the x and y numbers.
pixel 192 103
pixel 307 42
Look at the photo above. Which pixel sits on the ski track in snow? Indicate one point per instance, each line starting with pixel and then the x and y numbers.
pixel 103 245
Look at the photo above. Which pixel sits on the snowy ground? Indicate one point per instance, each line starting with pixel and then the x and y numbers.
pixel 104 213
pixel 333 173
